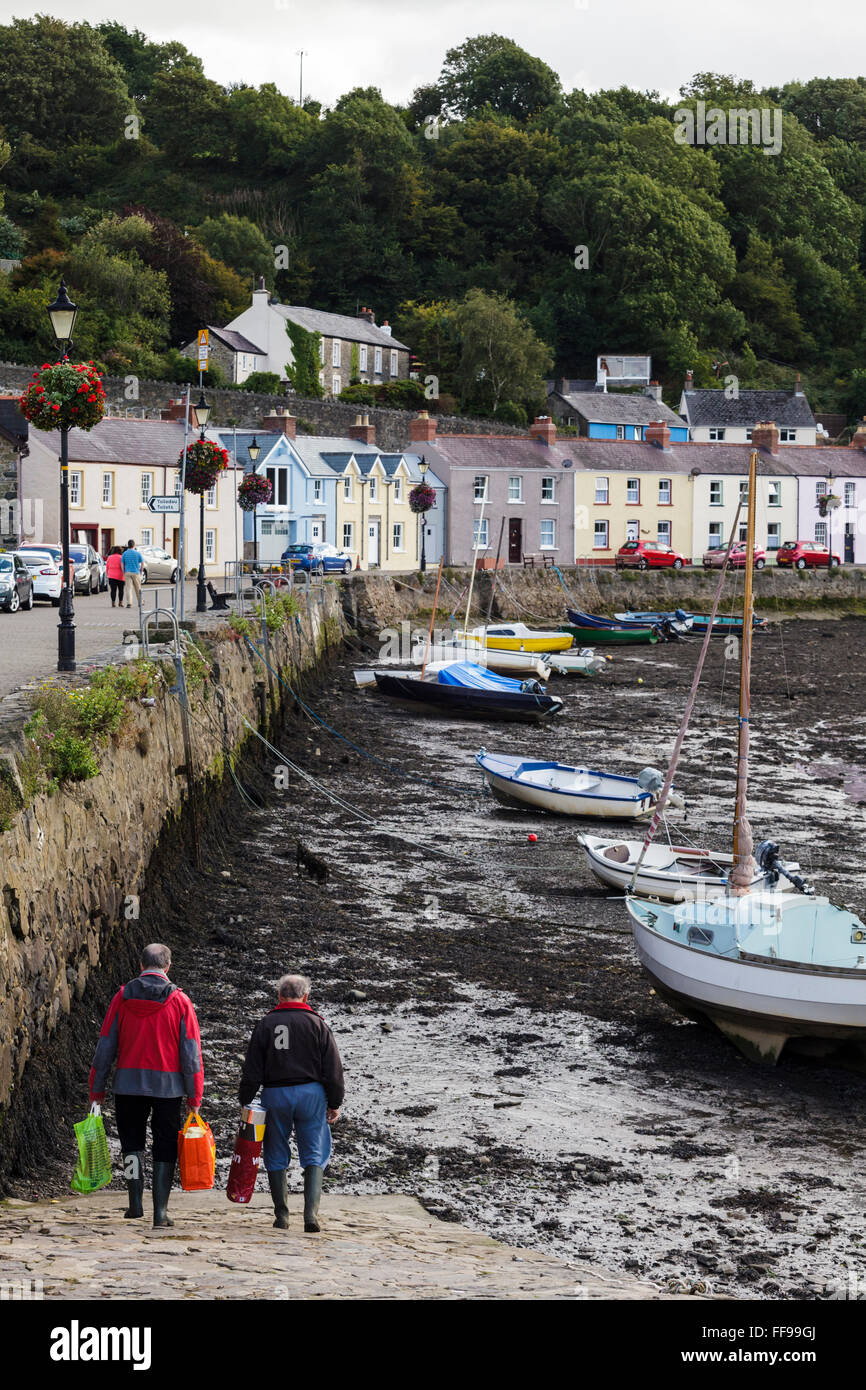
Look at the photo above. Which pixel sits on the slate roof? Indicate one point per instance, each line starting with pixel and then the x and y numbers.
pixel 236 341
pixel 634 456
pixel 712 407
pixel 117 440
pixel 357 330
pixel 490 451
pixel 617 408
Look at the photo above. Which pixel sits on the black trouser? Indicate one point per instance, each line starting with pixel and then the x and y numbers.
pixel 131 1114
pixel 116 586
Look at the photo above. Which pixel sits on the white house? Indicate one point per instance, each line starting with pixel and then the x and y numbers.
pixel 728 416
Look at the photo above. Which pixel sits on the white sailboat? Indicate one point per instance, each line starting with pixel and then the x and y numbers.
pixel 764 966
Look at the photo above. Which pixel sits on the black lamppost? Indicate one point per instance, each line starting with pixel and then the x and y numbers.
pixel 422 469
pixel 830 485
pixel 254 450
pixel 201 414
pixel 62 314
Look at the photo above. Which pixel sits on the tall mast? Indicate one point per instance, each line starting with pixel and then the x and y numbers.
pixel 743 870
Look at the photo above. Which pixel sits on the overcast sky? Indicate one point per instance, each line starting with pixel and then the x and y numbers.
pixel 398 44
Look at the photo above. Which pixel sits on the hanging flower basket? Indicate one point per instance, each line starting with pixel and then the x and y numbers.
pixel 204 463
pixel 422 498
pixel 253 491
pixel 64 393
pixel 828 503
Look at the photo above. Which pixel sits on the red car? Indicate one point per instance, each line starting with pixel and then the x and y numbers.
pixel 713 559
pixel 645 555
pixel 806 555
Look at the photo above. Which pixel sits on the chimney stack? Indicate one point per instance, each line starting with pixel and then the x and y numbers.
pixel 798 389
pixel 654 391
pixel 560 386
pixel 690 380
pixel 362 430
pixel 367 315
pixel 543 429
pixel 766 436
pixel 422 430
pixel 281 422
pixel 859 439
pixel 658 433
pixel 175 410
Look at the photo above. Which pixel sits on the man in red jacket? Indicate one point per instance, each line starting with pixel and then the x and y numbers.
pixel 151 1033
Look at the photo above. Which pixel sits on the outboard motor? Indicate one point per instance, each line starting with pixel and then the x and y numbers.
pixel 767 859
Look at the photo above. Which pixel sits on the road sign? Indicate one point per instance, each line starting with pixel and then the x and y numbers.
pixel 164 504
pixel 202 349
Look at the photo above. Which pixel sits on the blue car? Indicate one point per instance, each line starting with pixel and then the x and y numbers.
pixel 317 558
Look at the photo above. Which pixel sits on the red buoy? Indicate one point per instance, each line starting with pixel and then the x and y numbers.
pixel 533 839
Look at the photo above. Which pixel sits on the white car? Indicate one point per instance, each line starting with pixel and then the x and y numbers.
pixel 45 573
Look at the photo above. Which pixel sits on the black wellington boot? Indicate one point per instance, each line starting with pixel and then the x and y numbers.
pixel 279 1185
pixel 163 1177
pixel 312 1196
pixel 133 1172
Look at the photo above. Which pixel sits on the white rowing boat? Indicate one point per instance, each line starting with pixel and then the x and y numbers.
pixel 569 791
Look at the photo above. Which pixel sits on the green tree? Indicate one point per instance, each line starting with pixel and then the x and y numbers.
pixel 267 129
pixel 491 70
pixel 500 356
pixel 59 86
pixel 239 244
pixel 140 59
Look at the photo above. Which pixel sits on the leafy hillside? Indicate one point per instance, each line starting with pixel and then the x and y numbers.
pixel 160 194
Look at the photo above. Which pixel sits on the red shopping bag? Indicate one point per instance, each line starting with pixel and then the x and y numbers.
pixel 245 1159
pixel 196 1153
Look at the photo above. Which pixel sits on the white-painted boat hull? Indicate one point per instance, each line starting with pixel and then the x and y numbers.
pixel 588 794
pixel 516 663
pixel 674 876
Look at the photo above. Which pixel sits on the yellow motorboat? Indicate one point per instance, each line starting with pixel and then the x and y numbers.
pixel 517 637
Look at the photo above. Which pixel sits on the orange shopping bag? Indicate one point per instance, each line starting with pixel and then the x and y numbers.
pixel 196 1153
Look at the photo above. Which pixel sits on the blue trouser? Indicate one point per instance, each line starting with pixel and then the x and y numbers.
pixel 302 1109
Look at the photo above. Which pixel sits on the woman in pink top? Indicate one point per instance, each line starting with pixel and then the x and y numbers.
pixel 114 570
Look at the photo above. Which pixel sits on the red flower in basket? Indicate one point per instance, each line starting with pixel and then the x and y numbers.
pixel 53 396
pixel 253 491
pixel 204 463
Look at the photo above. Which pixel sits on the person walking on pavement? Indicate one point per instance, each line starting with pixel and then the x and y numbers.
pixel 152 1034
pixel 114 571
pixel 292 1055
pixel 132 561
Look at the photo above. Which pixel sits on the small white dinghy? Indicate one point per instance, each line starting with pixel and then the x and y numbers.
pixel 580 663
pixel 673 873
pixel 511 663
pixel 569 791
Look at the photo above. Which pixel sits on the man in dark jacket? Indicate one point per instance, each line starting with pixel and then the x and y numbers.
pixel 293 1057
pixel 151 1032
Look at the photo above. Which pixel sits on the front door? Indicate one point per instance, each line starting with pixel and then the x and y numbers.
pixel 373 543
pixel 317 532
pixel 849 543
pixel 515 540
pixel 632 530
pixel 85 535
pixel 107 541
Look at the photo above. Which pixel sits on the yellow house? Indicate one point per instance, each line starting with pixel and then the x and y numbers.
pixel 630 491
pixel 374 520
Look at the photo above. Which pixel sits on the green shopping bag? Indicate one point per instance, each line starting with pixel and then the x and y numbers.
pixel 93 1169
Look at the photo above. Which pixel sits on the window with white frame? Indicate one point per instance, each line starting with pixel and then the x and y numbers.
pixel 715 537
pixel 362 357
pixel 393 362
pixel 849 495
pixel 620 431
pixel 378 362
pixel 281 525
pixel 716 494
pixel 748 436
pixel 108 489
pixel 374 489
pixel 716 434
pixel 146 535
pixel 348 535
pixel 321 350
pixel 664 492
pixel 599 538
pixel 774 493
pixel 336 385
pixel 317 489
pixel 787 436
pixel 398 489
pixel 515 488
pixel 774 535
pixel 744 491
pixel 397 536
pixel 743 531
pixel 178 482
pixel 336 350
pixel 210 496
pixel 480 530
pixel 820 489
pixel 548 489
pixel 279 481
pixel 480 487
pixel 347 491
pixel 75 492
pixel 266 526
pixel 632 490
pixel 209 544
pixel 146 487
pixel 821 532
pixel 548 535
pixel 602 490
pixel 664 533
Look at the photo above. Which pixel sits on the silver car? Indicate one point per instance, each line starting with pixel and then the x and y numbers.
pixel 157 564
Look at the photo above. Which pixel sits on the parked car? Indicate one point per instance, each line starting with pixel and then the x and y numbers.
pixel 45 571
pixel 714 559
pixel 645 555
pixel 806 555
pixel 47 548
pixel 16 585
pixel 157 564
pixel 85 570
pixel 318 558
pixel 103 574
